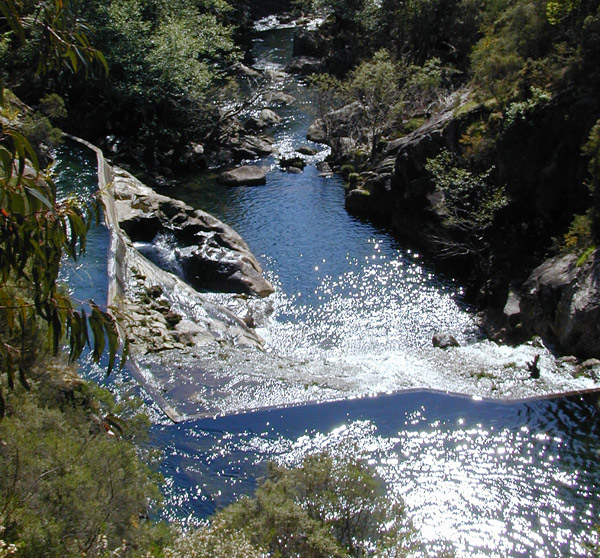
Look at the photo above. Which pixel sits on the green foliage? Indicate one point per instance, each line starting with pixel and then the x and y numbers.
pixel 58 34
pixel 36 229
pixel 36 232
pixel 424 85
pixel 579 236
pixel 168 64
pixel 375 84
pixel 469 205
pixel 521 111
pixel 468 197
pixel 214 540
pixel 70 486
pixel 53 106
pixel 557 10
pixel 521 50
pixel 327 507
pixel 591 149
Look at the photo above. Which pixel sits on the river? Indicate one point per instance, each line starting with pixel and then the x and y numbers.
pixel 354 313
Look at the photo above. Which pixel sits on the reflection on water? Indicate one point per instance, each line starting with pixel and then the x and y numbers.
pixel 494 479
pixel 75 171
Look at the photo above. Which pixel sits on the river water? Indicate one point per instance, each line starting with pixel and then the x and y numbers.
pixel 353 314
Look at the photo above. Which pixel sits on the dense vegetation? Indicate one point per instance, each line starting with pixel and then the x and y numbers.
pixel 522 79
pixel 74 478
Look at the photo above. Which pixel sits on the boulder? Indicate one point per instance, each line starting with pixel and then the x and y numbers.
pixel 307 150
pixel 194 156
pixel 211 266
pixel 269 117
pixel 292 164
pixel 278 98
pixel 444 340
pixel 560 301
pixel 317 132
pixel 251 147
pixel 247 175
pixel 304 65
pixel 266 119
pixel 324 168
pixel 242 70
pixel 211 255
pixel 357 201
pixel 340 123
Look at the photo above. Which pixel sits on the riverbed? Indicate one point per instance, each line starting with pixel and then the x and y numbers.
pixel 350 327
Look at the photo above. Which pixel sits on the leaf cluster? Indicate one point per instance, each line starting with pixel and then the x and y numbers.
pixel 326 507
pixel 36 232
pixel 55 32
pixel 70 485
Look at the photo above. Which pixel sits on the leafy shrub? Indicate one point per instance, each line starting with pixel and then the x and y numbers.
pixel 579 235
pixel 521 111
pixel 470 199
pixel 469 206
pixel 327 507
pixel 69 486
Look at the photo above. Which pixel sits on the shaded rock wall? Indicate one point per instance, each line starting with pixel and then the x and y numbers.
pixel 560 301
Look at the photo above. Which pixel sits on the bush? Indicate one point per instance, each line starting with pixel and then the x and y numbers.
pixel 70 486
pixel 327 507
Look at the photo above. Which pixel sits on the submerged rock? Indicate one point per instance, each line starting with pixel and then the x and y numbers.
pixel 307 150
pixel 211 254
pixel 247 175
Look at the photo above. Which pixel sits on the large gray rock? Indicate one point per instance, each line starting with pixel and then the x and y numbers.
pixel 335 124
pixel 278 98
pixel 357 201
pixel 251 147
pixel 317 132
pixel 248 175
pixel 304 65
pixel 211 254
pixel 265 119
pixel 444 340
pixel 560 301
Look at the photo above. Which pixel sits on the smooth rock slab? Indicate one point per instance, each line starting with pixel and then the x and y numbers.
pixel 211 254
pixel 247 175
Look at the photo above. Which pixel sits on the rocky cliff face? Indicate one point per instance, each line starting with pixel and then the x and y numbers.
pixel 539 163
pixel 560 301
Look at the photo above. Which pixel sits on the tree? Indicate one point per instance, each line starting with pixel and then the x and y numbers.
pixel 469 206
pixel 329 506
pixel 36 229
pixel 591 149
pixel 376 85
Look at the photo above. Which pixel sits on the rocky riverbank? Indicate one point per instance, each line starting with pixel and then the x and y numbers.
pixel 167 321
pixel 522 293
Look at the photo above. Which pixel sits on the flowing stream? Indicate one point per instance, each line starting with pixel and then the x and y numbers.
pixel 353 317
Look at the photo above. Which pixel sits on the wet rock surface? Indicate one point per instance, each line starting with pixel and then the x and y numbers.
pixel 560 301
pixel 212 255
pixel 247 175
